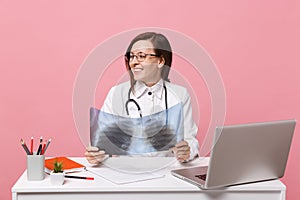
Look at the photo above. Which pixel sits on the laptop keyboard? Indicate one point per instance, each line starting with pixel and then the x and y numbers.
pixel 201 176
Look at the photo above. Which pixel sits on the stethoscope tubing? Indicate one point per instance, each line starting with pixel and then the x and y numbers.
pixel 139 108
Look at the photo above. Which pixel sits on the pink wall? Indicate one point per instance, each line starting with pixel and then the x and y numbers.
pixel 255 45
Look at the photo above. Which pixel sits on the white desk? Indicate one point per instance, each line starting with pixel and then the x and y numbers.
pixel 168 187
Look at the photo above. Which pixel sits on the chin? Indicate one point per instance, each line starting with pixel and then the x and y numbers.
pixel 137 78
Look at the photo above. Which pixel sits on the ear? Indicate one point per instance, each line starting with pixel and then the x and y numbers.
pixel 161 62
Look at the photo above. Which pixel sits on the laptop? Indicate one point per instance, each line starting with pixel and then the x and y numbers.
pixel 244 153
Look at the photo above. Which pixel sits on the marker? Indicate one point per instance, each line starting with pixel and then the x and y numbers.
pixel 79 177
pixel 25 147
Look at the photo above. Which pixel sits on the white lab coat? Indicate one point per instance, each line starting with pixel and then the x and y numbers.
pixel 152 100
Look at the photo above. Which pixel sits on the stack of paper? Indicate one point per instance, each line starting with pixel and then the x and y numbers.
pixel 123 170
pixel 122 177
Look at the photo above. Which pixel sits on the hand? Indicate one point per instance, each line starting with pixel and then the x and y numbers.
pixel 182 151
pixel 94 155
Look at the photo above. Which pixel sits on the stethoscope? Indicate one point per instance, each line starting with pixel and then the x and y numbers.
pixel 139 108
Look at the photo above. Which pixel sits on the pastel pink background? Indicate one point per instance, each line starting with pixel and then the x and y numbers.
pixel 255 45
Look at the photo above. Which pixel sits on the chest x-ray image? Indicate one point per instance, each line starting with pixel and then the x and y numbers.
pixel 118 135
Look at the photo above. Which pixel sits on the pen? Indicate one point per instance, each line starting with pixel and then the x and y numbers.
pixel 40 146
pixel 31 146
pixel 25 147
pixel 79 177
pixel 47 145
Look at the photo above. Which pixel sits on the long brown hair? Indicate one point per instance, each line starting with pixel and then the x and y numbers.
pixel 161 47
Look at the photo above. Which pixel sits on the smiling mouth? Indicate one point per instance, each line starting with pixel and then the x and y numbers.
pixel 137 69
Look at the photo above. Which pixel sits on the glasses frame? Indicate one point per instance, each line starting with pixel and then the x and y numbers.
pixel 130 56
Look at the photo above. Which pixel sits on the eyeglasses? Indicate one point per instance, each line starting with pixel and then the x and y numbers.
pixel 139 56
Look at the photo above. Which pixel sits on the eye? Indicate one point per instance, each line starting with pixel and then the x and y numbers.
pixel 131 56
pixel 141 56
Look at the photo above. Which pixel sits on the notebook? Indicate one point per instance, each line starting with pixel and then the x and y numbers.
pixel 244 153
pixel 68 164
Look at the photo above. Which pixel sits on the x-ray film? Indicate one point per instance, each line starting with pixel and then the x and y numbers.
pixel 118 135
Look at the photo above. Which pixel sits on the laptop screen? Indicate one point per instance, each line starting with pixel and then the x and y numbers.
pixel 249 152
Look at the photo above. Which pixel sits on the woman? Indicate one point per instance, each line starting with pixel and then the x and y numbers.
pixel 148 60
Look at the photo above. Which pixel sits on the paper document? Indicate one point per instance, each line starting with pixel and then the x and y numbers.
pixel 122 177
pixel 139 165
pixel 126 169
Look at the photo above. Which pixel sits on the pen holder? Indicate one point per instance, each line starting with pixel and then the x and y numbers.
pixel 35 167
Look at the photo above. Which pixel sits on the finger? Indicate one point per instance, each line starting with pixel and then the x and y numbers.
pixel 88 154
pixel 95 159
pixel 183 148
pixel 183 151
pixel 98 153
pixel 183 158
pixel 91 153
pixel 92 149
pixel 183 155
pixel 100 159
pixel 181 143
pixel 95 155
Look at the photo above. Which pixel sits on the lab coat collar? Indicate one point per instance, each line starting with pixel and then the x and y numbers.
pixel 141 89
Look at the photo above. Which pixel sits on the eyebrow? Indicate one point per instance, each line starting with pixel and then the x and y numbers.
pixel 142 52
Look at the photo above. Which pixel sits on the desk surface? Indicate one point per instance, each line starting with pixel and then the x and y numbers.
pixel 167 184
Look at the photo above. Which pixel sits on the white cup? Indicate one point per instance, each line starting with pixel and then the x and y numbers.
pixel 35 167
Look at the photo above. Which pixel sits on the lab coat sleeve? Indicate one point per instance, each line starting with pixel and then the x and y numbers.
pixel 190 128
pixel 114 102
pixel 107 105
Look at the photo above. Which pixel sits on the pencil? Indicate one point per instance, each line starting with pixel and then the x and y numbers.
pixel 25 147
pixel 79 177
pixel 40 146
pixel 47 145
pixel 43 148
pixel 31 146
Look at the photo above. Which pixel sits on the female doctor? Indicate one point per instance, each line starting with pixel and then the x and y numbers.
pixel 148 60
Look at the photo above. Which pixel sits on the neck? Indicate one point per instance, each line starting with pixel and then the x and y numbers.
pixel 150 84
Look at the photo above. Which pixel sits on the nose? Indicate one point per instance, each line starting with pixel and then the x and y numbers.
pixel 134 62
pixel 135 59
